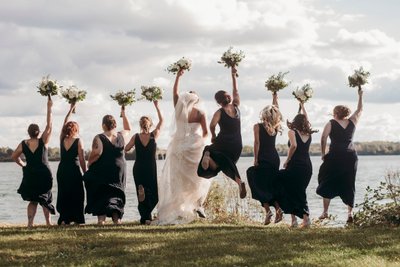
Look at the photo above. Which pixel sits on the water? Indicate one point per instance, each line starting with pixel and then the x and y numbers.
pixel 371 170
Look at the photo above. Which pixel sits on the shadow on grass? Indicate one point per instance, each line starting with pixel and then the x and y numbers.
pixel 221 245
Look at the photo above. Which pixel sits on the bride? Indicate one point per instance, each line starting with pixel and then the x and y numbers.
pixel 181 192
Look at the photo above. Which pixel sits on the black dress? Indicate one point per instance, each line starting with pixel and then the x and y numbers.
pixel 145 174
pixel 337 174
pixel 37 179
pixel 263 178
pixel 105 180
pixel 295 179
pixel 71 195
pixel 226 149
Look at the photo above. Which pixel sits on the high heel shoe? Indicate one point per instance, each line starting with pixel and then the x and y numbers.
pixel 306 224
pixel 294 224
pixel 268 217
pixel 242 189
pixel 278 215
pixel 323 216
pixel 350 219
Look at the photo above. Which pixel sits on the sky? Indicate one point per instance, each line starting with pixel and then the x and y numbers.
pixel 102 46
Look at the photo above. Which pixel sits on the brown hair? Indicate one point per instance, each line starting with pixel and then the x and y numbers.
pixel 145 123
pixel 70 129
pixel 33 130
pixel 341 111
pixel 301 124
pixel 109 122
pixel 221 98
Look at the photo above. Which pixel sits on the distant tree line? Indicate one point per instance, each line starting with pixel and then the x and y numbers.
pixel 363 148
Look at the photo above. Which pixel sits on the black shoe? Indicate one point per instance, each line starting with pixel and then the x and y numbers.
pixel 201 213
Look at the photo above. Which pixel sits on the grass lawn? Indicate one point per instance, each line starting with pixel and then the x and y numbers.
pixel 198 244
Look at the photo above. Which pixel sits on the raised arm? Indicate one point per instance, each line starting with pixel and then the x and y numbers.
pixel 97 150
pixel 49 123
pixel 324 138
pixel 275 99
pixel 357 114
pixel 16 156
pixel 160 123
pixel 303 110
pixel 214 121
pixel 235 92
pixel 66 119
pixel 175 91
pixel 81 155
pixel 256 143
pixel 292 148
pixel 127 126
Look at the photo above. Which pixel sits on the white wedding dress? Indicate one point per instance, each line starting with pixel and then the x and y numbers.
pixel 181 192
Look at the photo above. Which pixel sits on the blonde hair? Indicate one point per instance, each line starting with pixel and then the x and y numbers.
pixel 145 123
pixel 341 111
pixel 271 117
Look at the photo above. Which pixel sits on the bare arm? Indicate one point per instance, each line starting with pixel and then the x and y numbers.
pixel 81 155
pixel 275 99
pixel 127 126
pixel 97 150
pixel 16 156
pixel 214 121
pixel 357 114
pixel 130 144
pixel 160 123
pixel 49 123
pixel 292 148
pixel 256 143
pixel 66 119
pixel 303 110
pixel 235 92
pixel 324 138
pixel 203 124
pixel 175 92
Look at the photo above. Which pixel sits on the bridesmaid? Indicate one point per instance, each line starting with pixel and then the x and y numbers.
pixel 337 173
pixel 226 148
pixel 262 177
pixel 106 178
pixel 69 176
pixel 297 169
pixel 145 167
pixel 37 179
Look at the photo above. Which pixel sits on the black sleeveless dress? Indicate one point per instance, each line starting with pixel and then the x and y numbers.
pixel 226 149
pixel 106 179
pixel 263 178
pixel 37 179
pixel 71 195
pixel 295 179
pixel 337 174
pixel 145 174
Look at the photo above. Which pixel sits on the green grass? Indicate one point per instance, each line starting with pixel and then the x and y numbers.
pixel 198 244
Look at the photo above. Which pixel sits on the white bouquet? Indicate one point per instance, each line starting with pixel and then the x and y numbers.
pixel 152 93
pixel 232 59
pixel 124 98
pixel 72 94
pixel 276 82
pixel 358 78
pixel 303 93
pixel 48 87
pixel 181 64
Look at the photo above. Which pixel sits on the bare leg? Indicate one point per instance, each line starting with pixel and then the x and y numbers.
pixel 207 162
pixel 268 214
pixel 294 221
pixel 101 219
pixel 115 218
pixel 47 217
pixel 31 212
pixel 349 214
pixel 324 214
pixel 306 221
pixel 278 213
pixel 242 187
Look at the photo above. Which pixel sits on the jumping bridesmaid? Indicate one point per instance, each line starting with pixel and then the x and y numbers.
pixel 145 167
pixel 226 148
pixel 71 195
pixel 262 177
pixel 37 179
pixel 297 171
pixel 337 173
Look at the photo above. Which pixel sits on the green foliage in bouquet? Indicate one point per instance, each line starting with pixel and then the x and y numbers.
pixel 276 82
